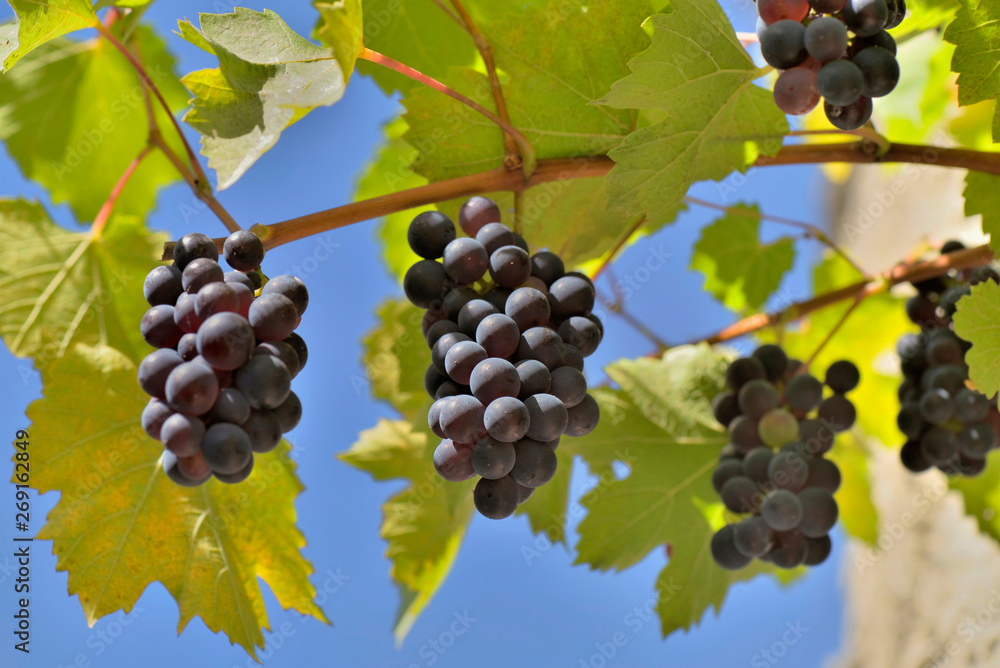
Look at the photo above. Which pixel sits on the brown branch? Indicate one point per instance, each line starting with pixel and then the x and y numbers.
pixel 109 204
pixel 512 161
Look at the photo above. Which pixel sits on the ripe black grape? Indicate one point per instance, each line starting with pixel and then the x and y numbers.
pixel 153 417
pixel 171 467
pixel 465 260
pixel 264 380
pixel 193 246
pixel 494 236
pixel 851 116
pixel 742 371
pixel 535 463
pixel 569 296
pixel 497 499
pixel 243 250
pixel 581 333
pixel 473 313
pixel 491 378
pixel 840 83
pixel 425 283
pixel 439 329
pixel 583 417
pixel 199 273
pixel 462 419
pixel 498 334
pixel 724 472
pixel 192 388
pixel 226 341
pixel 528 308
pixel 226 448
pixel 509 266
pixel 757 398
pixel 506 419
pixel 154 369
pixel 842 376
pixel 162 285
pixel 493 459
pixel 453 463
pixel 866 17
pixel 547 266
pixel 740 494
pixel 158 328
pixel 804 392
pixel 752 537
pixel 880 71
pixel 477 212
pixel 291 287
pixel 542 344
pixel 429 233
pixel 781 509
pixel 796 91
pixel 462 359
pixel 826 39
pixel 724 550
pixel 548 417
pixel 782 44
pixel 273 317
pixel 182 434
pixel 231 406
pixel 263 428
pixel 819 512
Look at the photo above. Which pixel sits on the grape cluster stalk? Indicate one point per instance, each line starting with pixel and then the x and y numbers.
pixel 947 423
pixel 773 470
pixel 835 50
pixel 508 332
pixel 220 379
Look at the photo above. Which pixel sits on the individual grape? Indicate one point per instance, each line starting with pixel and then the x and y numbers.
pixel 913 458
pixel 752 537
pixel 726 408
pixel 936 406
pixel 171 466
pixel 492 459
pixel 842 376
pixel 817 436
pixel 283 351
pixel 429 233
pixel 823 474
pixel 781 509
pixel 187 347
pixel 199 273
pixel 535 463
pixel 185 314
pixel 742 371
pixel 263 428
pixel 439 329
pixel 581 333
pixel 778 427
pixel 535 378
pixel 968 467
pixel 452 463
pixel 291 287
pixel 273 317
pixel 827 6
pixel 465 260
pixel 239 476
pixel 548 417
pixel 570 356
pixel 424 283
pixel 265 381
pixel 897 11
pixel 568 385
pixel 569 296
pixel 498 297
pixel 509 266
pixel 740 494
pixel 491 378
pixel 182 434
pixel 193 246
pixel 826 39
pixel 498 335
pixel 192 388
pixel 154 369
pixel 583 417
pixel 724 471
pixel 289 413
pixel 976 440
pixel 773 359
pixel 476 212
pixel 921 310
pixel 472 314
pixel 506 419
pixel 790 550
pixel 547 266
pixel 743 433
pixel 788 470
pixel 158 328
pixel 243 250
pixel 153 417
pixel 819 512
pixel 215 298
pixel 462 419
pixel 971 406
pixel 838 412
pixel 944 350
pixel 299 346
pixel 850 117
pixel 231 406
pixel 840 82
pixel 783 44
pixel 866 17
pixel 226 448
pixel 950 378
pixel 494 236
pixel 796 91
pixel 803 393
pixel 439 351
pixel 194 467
pixel 461 359
pixel 162 285
pixel 497 499
pixel 528 308
pixel 817 550
pixel 939 445
pixel 542 344
pixel 724 550
pixel 755 464
pixel 880 70
pixel 757 398
pixel 772 11
pixel 226 341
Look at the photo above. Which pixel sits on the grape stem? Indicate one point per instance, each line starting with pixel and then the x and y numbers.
pixel 109 204
pixel 881 143
pixel 528 151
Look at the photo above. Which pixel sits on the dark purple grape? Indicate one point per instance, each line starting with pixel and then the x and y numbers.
pixel 936 406
pixel 192 388
pixel 568 385
pixel 757 398
pixel 838 412
pixel 461 359
pixel 740 494
pixel 817 550
pixel 823 474
pixel 439 329
pixel 231 406
pixel 796 91
pixel 849 117
pixel 939 445
pixel 439 351
pixel 724 471
pixel 976 440
pixel 726 408
pixel 724 550
pixel 153 416
pixel 548 417
pixel 239 278
pixel 455 299
pixel 273 317
pixel 840 82
pixel 243 250
pixel 497 499
pixel 570 296
pixel 429 233
pixel 581 333
pixel 493 459
pixel 743 433
pixel 842 376
pixel 742 371
pixel 283 351
pixel 535 463
pixel 753 537
pixel 158 328
pixel 803 393
pixel 498 334
pixel 535 378
pixel 462 419
pixel 509 266
pixel 506 419
pixel 477 212
pixel 171 466
pixel 494 236
pixel 528 308
pixel 289 413
pixel 542 344
pixel 583 417
pixel 755 465
pixel 913 458
pixel 265 381
pixel 465 260
pixel 782 44
pixel 263 428
pixel 193 246
pixel 819 512
pixel 866 17
pixel 781 509
pixel 425 283
pixel 880 70
pixel 154 369
pixel 790 550
pixel 971 406
pixel 788 470
pixel 226 448
pixel 182 434
pixel 491 378
pixel 199 273
pixel 291 287
pixel 498 297
pixel 547 266
pixel 238 477
pixel 185 316
pixel 826 39
pixel 474 312
pixel 452 463
pixel 162 285
pixel 301 351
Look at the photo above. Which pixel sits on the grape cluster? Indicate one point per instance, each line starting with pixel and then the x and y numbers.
pixel 508 332
pixel 837 50
pixel 788 493
pixel 220 379
pixel 946 423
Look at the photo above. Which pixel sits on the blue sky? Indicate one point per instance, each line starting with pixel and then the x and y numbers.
pixel 498 608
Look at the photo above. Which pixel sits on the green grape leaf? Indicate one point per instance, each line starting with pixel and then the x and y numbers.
pixel 425 523
pixel 73 118
pixel 975 32
pixel 978 322
pixel 716 119
pixel 61 287
pixel 121 524
pixel 268 78
pixel 39 21
pixel 659 424
pixel 982 197
pixel 739 270
pixel 341 29
pixel 396 358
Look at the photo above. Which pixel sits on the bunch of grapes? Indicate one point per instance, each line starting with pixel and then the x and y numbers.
pixel 220 380
pixel 508 332
pixel 946 423
pixel 773 469
pixel 837 50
